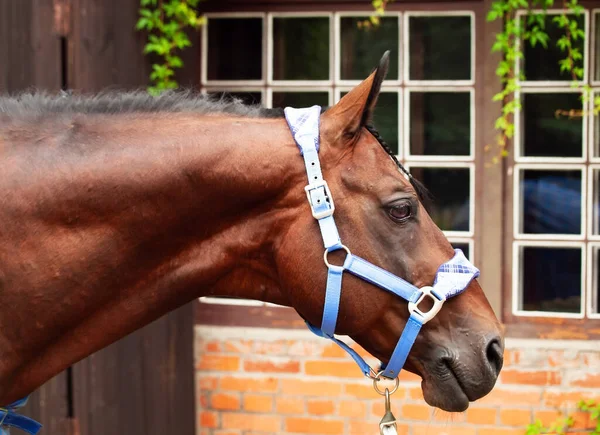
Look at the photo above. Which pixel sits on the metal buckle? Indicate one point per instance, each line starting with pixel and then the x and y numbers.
pixel 325 213
pixel 437 305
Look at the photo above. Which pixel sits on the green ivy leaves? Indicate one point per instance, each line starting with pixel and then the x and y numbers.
pixel 166 22
pixel 563 425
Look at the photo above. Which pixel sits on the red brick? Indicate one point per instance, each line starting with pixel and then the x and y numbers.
pixel 343 369
pixel 238 346
pixel 547 417
pixel 314 425
pixel 333 351
pixel 209 419
pixel 406 376
pixel 590 380
pixel 207 382
pixel 289 405
pixel 320 407
pixel 503 396
pixel 541 377
pixel 515 417
pixel 304 348
pixel 278 347
pixel 448 417
pixel 219 362
pixel 222 401
pixel 362 391
pixel 446 429
pixel 212 346
pixel 258 403
pixel 512 357
pixel 352 409
pixel 416 412
pixel 227 432
pixel 481 416
pixel 245 421
pixel 495 431
pixel 416 393
pixel 254 385
pixel 366 428
pixel 555 399
pixel 297 387
pixel 272 366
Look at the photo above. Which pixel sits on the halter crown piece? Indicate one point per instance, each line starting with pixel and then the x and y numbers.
pixel 452 277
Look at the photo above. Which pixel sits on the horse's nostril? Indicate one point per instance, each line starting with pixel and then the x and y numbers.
pixel 494 353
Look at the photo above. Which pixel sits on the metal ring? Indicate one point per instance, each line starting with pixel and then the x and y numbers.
pixel 382 393
pixel 344 247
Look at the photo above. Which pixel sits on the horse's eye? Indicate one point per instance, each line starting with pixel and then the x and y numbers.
pixel 401 212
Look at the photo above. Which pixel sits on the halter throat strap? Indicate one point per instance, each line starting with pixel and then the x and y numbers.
pixel 304 125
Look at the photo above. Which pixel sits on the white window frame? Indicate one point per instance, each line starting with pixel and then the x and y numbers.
pixel 466 241
pixel 204 52
pixel 519 124
pixel 338 47
pixel 463 235
pixel 518 194
pixel 241 89
pixel 556 83
pixel 593 221
pixel 309 83
pixel 406 125
pixel 406 46
pixel 517 274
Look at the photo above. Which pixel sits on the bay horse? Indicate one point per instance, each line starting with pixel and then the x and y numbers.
pixel 117 208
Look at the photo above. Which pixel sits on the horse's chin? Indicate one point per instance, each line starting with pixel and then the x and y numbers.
pixel 447 395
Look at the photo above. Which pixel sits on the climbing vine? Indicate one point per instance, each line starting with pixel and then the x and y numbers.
pixel 166 22
pixel 519 30
pixel 565 425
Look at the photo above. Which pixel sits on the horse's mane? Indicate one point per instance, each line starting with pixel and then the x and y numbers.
pixel 118 102
pixel 38 104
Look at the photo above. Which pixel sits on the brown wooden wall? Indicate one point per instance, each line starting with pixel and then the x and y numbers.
pixel 143 384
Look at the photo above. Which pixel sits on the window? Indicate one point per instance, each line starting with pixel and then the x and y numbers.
pixel 555 196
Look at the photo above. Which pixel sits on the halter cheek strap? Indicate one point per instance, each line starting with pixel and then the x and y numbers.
pixel 451 279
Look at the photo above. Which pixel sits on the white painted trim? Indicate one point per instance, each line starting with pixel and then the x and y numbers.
pixel 406 48
pixel 517 278
pixel 466 241
pixel 204 52
pixel 406 125
pixel 448 164
pixel 592 282
pixel 270 80
pixel 517 195
pixel 518 137
pixel 338 47
pixel 554 83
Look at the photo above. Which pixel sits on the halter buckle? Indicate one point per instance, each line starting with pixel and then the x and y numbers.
pixel 323 199
pixel 413 307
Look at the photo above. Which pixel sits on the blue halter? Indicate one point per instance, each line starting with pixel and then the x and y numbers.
pixel 9 418
pixel 452 277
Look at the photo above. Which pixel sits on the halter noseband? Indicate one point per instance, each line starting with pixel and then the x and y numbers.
pixel 452 277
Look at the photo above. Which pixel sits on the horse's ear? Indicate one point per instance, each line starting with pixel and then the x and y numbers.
pixel 345 119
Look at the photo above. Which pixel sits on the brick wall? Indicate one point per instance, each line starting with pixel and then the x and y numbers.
pixel 253 381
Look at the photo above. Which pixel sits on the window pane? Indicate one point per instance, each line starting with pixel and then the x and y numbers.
pixel 248 98
pixel 242 57
pixel 440 123
pixel 547 135
pixel 450 188
pixel 596 129
pixel 543 63
pixel 551 279
pixel 551 201
pixel 595 193
pixel 463 247
pixel 300 99
pixel 440 48
pixel 301 48
pixel 385 118
pixel 362 47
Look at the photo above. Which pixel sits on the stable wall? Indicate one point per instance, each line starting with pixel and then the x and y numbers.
pixel 255 381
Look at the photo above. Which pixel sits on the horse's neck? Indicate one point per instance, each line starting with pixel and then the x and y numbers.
pixel 126 219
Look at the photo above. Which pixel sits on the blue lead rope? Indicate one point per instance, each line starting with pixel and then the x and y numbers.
pixel 9 418
pixel 452 277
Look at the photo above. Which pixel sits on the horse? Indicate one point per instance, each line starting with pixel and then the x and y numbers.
pixel 117 208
